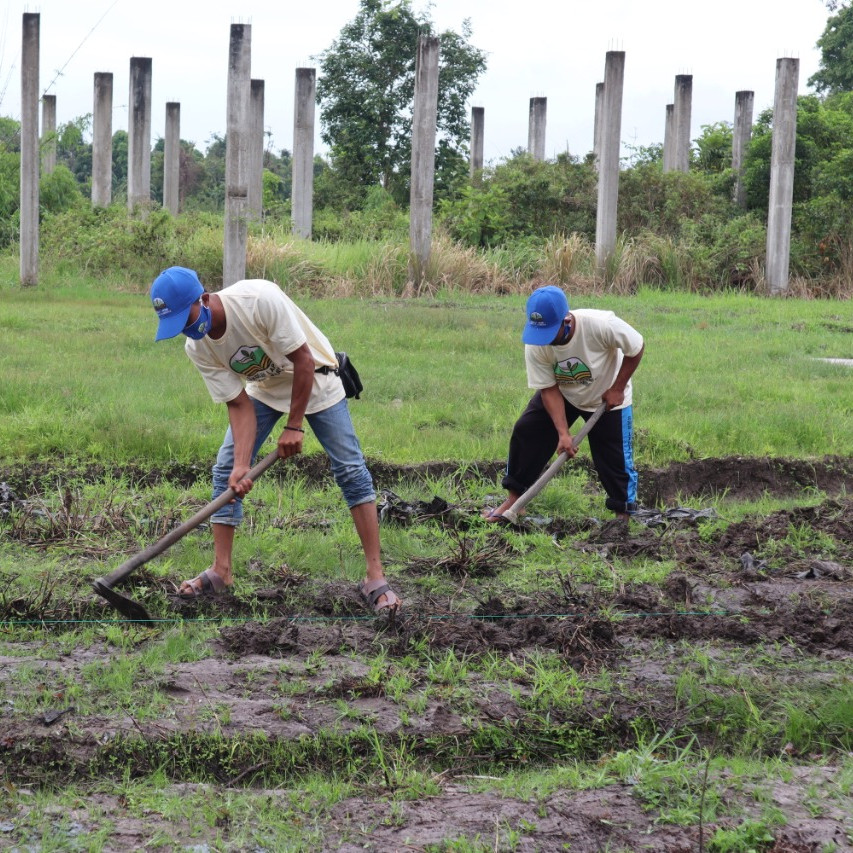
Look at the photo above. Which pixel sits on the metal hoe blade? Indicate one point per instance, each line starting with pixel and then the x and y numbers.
pixel 128 608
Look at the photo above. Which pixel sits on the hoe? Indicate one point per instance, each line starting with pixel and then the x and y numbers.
pixel 133 609
pixel 511 515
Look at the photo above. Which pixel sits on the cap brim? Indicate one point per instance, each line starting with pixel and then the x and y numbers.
pixel 173 324
pixel 540 336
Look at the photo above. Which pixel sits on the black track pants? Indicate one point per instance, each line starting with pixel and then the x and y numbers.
pixel 534 440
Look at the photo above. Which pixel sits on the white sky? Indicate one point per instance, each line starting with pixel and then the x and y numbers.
pixel 551 48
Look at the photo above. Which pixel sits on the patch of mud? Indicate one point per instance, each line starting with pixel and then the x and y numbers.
pixel 307 659
pixel 734 476
pixel 609 818
pixel 744 478
pixel 612 817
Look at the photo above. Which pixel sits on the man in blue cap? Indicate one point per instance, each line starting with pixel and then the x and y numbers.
pixel 575 361
pixel 263 357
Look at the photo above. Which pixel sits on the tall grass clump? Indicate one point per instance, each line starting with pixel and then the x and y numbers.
pixel 455 267
pixel 567 257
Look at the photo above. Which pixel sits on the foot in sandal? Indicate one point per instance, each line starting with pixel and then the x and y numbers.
pixel 379 595
pixel 207 583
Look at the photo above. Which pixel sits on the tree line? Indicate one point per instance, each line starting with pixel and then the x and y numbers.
pixel 365 91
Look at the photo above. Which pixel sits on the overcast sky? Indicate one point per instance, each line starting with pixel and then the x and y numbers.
pixel 551 48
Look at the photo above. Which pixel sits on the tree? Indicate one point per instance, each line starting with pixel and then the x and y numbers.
pixel 836 53
pixel 366 92
pixel 715 147
pixel 73 151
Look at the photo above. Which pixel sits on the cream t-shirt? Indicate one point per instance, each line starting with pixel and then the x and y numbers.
pixel 585 367
pixel 262 325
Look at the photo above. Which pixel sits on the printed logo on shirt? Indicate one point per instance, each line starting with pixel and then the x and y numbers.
pixel 572 371
pixel 254 364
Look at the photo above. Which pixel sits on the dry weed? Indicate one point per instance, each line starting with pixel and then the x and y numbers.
pixel 385 274
pixel 455 267
pixel 567 257
pixel 284 263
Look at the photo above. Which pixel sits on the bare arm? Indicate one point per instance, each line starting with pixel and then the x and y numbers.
pixel 555 405
pixel 290 441
pixel 241 416
pixel 615 395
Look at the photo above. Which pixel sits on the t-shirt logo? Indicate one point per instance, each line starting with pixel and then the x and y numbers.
pixel 253 363
pixel 572 371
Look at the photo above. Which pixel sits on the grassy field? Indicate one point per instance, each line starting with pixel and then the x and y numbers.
pixel 562 683
pixel 722 375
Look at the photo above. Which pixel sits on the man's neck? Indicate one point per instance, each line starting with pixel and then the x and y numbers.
pixel 217 321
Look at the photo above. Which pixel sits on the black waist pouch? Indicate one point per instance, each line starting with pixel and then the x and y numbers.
pixel 347 373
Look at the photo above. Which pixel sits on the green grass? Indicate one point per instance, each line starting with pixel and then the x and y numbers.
pixel 444 376
pixel 85 382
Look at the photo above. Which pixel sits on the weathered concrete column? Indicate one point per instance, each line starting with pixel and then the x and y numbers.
pixel 423 157
pixel 256 150
pixel 302 189
pixel 237 154
pixel 744 102
pixel 29 211
pixel 536 128
pixel 611 142
pixel 478 121
pixel 681 122
pixel 48 134
pixel 139 133
pixel 102 140
pixel 597 125
pixel 172 159
pixel 782 174
pixel 669 138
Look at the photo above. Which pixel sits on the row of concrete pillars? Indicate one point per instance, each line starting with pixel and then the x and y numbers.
pixel 676 147
pixel 676 152
pixel 245 145
pixel 243 159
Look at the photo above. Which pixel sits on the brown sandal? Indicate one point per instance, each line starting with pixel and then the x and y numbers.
pixel 372 591
pixel 209 584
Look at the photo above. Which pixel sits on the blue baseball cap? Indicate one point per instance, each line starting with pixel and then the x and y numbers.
pixel 546 308
pixel 173 293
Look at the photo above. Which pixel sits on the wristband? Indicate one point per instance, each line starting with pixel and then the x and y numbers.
pixel 295 429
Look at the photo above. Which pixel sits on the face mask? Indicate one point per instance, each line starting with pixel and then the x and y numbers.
pixel 201 327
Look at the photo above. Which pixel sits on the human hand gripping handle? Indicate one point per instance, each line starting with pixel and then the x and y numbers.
pixel 511 515
pixel 290 441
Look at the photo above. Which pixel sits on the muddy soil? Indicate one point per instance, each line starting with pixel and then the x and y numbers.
pixel 299 661
pixel 734 476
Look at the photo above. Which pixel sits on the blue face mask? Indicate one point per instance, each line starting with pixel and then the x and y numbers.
pixel 201 327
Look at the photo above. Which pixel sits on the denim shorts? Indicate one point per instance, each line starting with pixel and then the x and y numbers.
pixel 336 434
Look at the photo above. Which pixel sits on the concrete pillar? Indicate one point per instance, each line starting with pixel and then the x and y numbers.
pixel 236 154
pixel 744 103
pixel 478 122
pixel 669 138
pixel 596 127
pixel 29 210
pixel 256 150
pixel 423 157
pixel 102 141
pixel 611 142
pixel 536 128
pixel 139 133
pixel 302 184
pixel 48 134
pixel 681 122
pixel 782 174
pixel 172 159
